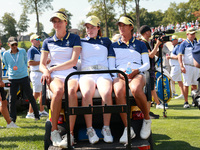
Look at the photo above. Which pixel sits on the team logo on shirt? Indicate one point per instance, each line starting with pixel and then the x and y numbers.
pixel 101 42
pixel 133 47
pixel 67 44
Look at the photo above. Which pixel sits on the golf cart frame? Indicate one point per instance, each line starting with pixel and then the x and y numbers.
pixel 99 110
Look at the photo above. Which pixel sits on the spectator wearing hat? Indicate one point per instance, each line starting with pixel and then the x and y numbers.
pixel 94 57
pixel 129 50
pixel 64 49
pixel 145 31
pixel 175 67
pixel 15 60
pixel 33 55
pixel 189 71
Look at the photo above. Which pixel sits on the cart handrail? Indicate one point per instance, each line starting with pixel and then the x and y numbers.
pixel 67 109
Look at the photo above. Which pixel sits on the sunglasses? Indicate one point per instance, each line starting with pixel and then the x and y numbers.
pixel 14 44
pixel 38 39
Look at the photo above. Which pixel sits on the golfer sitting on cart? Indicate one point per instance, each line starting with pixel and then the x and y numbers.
pixel 130 50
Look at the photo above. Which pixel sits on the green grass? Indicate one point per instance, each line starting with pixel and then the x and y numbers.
pixel 179 131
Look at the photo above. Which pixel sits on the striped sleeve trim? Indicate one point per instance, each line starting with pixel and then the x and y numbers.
pixel 78 46
pixel 111 57
pixel 45 51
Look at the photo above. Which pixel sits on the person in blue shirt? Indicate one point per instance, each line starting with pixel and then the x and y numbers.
pixel 130 50
pixel 94 57
pixel 15 60
pixel 189 71
pixel 196 55
pixel 33 55
pixel 64 49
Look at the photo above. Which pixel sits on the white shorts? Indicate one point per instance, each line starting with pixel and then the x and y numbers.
pixel 191 76
pixel 62 74
pixel 95 77
pixel 36 81
pixel 176 73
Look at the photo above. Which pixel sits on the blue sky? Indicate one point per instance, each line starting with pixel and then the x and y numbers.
pixel 79 9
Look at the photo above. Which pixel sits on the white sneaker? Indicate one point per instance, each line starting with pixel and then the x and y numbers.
pixel 43 113
pixel 146 129
pixel 107 134
pixel 56 138
pixel 159 106
pixel 30 116
pixel 180 97
pixel 92 136
pixel 186 105
pixel 124 138
pixel 63 143
pixel 12 125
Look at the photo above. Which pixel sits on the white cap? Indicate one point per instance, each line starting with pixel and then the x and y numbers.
pixel 180 40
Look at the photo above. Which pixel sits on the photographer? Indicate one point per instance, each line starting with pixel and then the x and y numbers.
pixel 145 31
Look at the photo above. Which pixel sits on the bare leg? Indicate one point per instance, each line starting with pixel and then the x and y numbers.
pixel 180 83
pixel 57 87
pixel 136 86
pixel 4 111
pixel 87 87
pixel 73 102
pixel 119 89
pixel 105 90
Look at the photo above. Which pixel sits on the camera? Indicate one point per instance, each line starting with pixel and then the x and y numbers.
pixel 161 35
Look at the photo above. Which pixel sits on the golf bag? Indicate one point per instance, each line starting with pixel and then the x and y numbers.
pixel 196 95
pixel 166 84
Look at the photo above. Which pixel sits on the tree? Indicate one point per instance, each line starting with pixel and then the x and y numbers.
pixel 9 24
pixel 23 22
pixel 101 9
pixel 137 6
pixel 41 28
pixel 37 7
pixel 123 5
pixel 69 15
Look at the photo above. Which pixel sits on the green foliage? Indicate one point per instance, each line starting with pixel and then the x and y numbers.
pixel 37 7
pixel 24 44
pixel 9 24
pixel 41 28
pixel 69 15
pixel 104 10
pixel 23 22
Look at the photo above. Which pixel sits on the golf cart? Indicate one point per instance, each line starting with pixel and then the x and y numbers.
pixel 134 119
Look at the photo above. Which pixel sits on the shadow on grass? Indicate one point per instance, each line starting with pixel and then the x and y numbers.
pixel 163 142
pixel 22 138
pixel 10 146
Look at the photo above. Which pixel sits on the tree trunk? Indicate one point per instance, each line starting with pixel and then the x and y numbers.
pixel 124 6
pixel 137 15
pixel 37 17
pixel 106 20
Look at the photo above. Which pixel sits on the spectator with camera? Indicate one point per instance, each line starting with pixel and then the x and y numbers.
pixel 189 71
pixel 145 31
